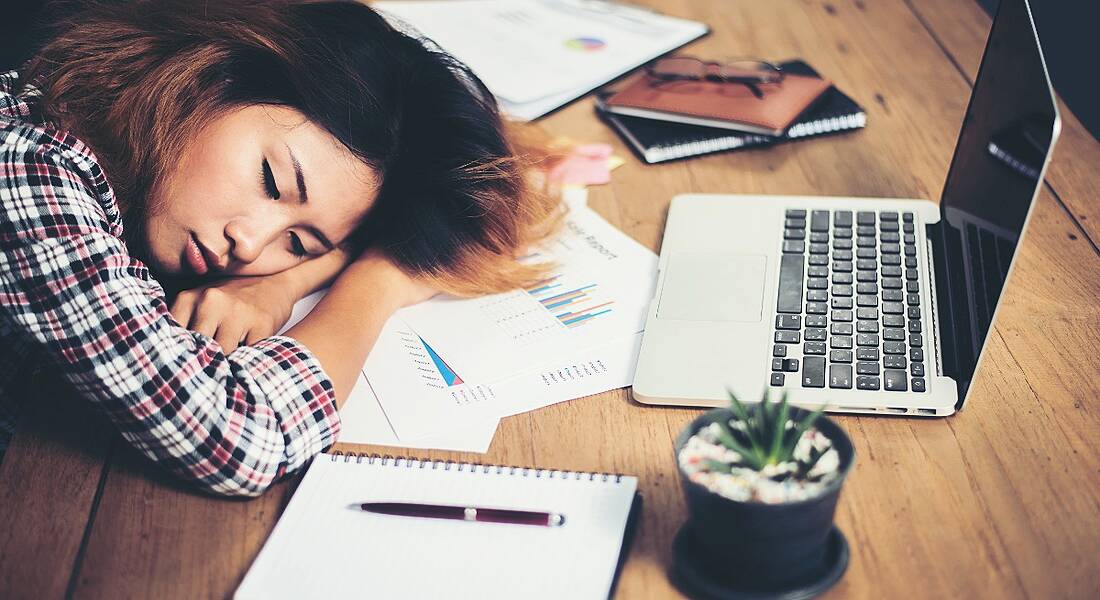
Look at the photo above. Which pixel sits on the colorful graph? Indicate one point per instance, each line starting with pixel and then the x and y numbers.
pixel 585 44
pixel 445 371
pixel 572 306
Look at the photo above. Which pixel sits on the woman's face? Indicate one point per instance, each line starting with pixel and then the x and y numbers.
pixel 256 192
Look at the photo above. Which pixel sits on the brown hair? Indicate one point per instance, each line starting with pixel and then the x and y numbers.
pixel 458 202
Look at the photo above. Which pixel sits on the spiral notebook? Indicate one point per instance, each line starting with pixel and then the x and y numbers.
pixel 322 547
pixel 659 141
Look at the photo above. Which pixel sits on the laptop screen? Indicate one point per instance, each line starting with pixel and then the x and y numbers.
pixel 999 161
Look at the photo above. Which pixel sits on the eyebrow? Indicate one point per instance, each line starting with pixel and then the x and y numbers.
pixel 303 197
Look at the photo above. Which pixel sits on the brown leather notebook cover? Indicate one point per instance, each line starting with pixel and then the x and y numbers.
pixel 724 105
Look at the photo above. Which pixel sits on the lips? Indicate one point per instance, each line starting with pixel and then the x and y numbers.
pixel 195 258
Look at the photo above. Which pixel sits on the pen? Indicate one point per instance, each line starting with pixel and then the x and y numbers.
pixel 464 513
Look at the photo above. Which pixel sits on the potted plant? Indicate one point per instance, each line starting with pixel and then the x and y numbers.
pixel 762 483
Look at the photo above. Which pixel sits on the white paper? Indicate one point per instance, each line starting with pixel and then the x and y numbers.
pixel 325 547
pixel 535 55
pixel 599 292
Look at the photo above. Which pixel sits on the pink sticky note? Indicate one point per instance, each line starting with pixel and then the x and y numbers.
pixel 586 165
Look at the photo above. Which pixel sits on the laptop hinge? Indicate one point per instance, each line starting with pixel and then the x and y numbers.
pixel 931 273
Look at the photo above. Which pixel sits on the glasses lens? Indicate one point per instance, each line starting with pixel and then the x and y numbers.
pixel 678 67
pixel 751 70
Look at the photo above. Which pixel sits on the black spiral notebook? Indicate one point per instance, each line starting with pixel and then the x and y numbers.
pixel 660 141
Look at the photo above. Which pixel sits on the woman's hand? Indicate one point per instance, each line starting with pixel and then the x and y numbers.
pixel 245 309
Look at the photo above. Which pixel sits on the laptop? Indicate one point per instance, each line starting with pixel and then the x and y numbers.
pixel 865 305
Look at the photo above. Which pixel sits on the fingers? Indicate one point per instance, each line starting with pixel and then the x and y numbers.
pixel 229 336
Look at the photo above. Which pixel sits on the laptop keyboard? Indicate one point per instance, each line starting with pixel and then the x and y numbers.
pixel 849 302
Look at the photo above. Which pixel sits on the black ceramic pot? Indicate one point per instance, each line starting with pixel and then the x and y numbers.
pixel 763 546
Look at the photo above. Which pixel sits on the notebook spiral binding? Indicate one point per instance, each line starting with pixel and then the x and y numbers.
pixel 447 465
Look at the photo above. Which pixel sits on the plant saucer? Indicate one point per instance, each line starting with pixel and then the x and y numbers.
pixel 696 583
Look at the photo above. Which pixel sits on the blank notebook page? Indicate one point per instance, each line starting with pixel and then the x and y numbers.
pixel 324 548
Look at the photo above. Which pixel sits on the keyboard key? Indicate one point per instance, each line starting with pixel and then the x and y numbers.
pixel 779 350
pixel 867 368
pixel 866 265
pixel 844 302
pixel 813 348
pixel 790 365
pixel 841 329
pixel 891 237
pixel 794 247
pixel 787 337
pixel 891 347
pixel 867 339
pixel 813 372
pixel 842 290
pixel 796 213
pixel 914 327
pixel 867 313
pixel 791 269
pixel 867 354
pixel 844 316
pixel 912 299
pixel 840 356
pixel 819 237
pixel 865 242
pixel 911 262
pixel 888 226
pixel 888 216
pixel 867 288
pixel 893 335
pixel 896 381
pixel 907 217
pixel 816 308
pixel 863 276
pixel 892 308
pixel 817 271
pixel 840 376
pixel 840 342
pixel 916 355
pixel 918 384
pixel 777 364
pixel 891 259
pixel 794 224
pixel 890 249
pixel 866 253
pixel 910 274
pixel 845 233
pixel 842 254
pixel 842 244
pixel 819 248
pixel 792 322
pixel 842 266
pixel 916 369
pixel 845 278
pixel 894 271
pixel 818 260
pixel 910 250
pixel 867 326
pixel 815 334
pixel 867 383
pixel 866 300
pixel 866 230
pixel 865 217
pixel 819 220
pixel 912 287
pixel 892 296
pixel 817 296
pixel 893 362
pixel 891 283
pixel 916 340
pixel 909 239
pixel 913 312
pixel 777 379
pixel 893 321
pixel 816 321
pixel 842 218
pixel 907 228
pixel 794 234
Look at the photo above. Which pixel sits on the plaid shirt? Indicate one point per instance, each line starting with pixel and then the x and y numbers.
pixel 75 303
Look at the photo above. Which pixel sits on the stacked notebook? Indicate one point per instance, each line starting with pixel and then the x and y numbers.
pixel 658 140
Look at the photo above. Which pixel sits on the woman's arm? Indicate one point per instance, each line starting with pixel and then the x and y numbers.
pixel 249 309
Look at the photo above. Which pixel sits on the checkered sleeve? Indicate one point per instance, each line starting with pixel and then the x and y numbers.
pixel 233 423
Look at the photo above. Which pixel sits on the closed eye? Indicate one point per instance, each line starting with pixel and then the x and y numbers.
pixel 296 247
pixel 267 179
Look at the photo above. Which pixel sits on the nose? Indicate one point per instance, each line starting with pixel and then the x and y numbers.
pixel 246 240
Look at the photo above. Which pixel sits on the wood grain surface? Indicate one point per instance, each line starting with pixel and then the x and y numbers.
pixel 1001 500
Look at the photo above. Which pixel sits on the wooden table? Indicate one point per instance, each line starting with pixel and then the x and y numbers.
pixel 1001 500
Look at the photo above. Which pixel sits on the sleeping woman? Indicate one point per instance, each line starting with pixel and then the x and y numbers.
pixel 173 178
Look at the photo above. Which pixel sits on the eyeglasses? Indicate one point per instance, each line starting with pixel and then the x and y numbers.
pixel 750 73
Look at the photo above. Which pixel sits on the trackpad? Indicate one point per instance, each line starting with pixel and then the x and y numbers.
pixel 713 287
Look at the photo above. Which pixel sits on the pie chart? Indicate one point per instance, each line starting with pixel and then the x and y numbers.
pixel 585 44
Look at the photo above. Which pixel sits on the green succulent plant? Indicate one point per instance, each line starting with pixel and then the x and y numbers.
pixel 762 437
